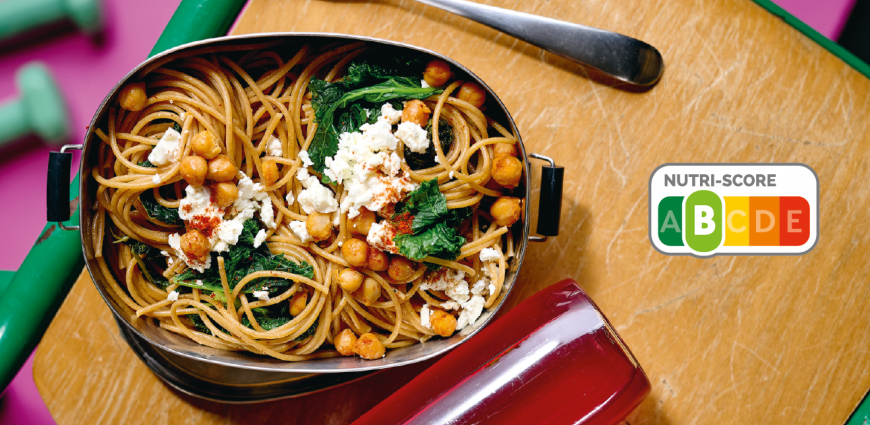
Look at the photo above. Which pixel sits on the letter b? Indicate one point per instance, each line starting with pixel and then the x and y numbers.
pixel 703 230
pixel 704 224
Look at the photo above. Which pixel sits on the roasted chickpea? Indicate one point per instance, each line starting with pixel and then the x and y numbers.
pixel 442 322
pixel 193 170
pixel 319 226
pixel 378 260
pixel 369 347
pixel 504 149
pixel 506 210
pixel 492 184
pixel 344 342
pixel 472 93
pixel 225 194
pixel 205 145
pixel 269 174
pixel 416 112
pixel 195 245
pixel 221 169
pixel 368 292
pixel 133 97
pixel 401 268
pixel 507 171
pixel 437 73
pixel 297 303
pixel 350 280
pixel 355 252
pixel 362 222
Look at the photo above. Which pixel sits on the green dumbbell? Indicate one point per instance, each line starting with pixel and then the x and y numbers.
pixel 40 109
pixel 17 16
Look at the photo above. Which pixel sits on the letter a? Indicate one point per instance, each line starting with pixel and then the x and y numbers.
pixel 671 223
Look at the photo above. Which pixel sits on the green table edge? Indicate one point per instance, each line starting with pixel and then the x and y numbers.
pixel 829 45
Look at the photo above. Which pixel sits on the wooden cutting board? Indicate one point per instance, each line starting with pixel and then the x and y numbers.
pixel 728 340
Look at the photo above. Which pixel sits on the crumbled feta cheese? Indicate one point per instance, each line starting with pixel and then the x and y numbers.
pixel 381 236
pixel 170 101
pixel 290 199
pixel 489 254
pixel 479 287
pixel 197 202
pixel 424 316
pixel 424 84
pixel 267 214
pixel 243 209
pixel 390 114
pixel 198 282
pixel 306 160
pixel 164 253
pixel 299 229
pixel 273 146
pixel 262 295
pixel 450 305
pixel 166 150
pixel 369 168
pixel 458 291
pixel 248 190
pixel 173 296
pixel 260 238
pixel 413 136
pixel 491 289
pixel 317 197
pixel 442 279
pixel 470 311
pixel 182 116
pixel 156 179
pixel 450 175
pixel 379 136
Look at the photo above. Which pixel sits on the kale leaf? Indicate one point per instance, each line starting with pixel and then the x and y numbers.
pixel 439 241
pixel 429 207
pixel 271 317
pixel 147 163
pixel 335 100
pixel 242 260
pixel 419 161
pixel 433 230
pixel 143 250
pixel 159 212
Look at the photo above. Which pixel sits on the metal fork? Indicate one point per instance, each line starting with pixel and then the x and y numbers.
pixel 624 58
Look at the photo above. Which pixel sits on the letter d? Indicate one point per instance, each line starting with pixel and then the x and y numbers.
pixel 704 224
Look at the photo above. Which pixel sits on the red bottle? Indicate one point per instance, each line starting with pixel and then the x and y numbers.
pixel 554 359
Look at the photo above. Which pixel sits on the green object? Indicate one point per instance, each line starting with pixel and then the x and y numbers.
pixel 36 292
pixel 40 109
pixel 40 285
pixel 703 216
pixel 861 415
pixel 670 219
pixel 814 35
pixel 197 20
pixel 18 16
pixel 5 279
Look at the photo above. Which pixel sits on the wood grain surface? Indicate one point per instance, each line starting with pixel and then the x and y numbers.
pixel 727 340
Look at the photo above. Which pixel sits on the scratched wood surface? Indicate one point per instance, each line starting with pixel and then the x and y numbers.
pixel 728 340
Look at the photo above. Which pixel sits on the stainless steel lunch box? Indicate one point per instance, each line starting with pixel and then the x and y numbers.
pixel 157 346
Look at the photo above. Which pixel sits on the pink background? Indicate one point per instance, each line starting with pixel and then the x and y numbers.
pixel 86 70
